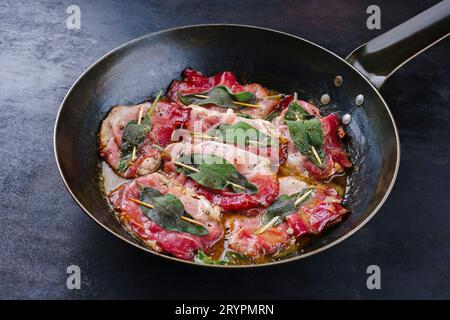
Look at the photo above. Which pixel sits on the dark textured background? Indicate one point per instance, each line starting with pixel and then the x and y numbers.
pixel 42 230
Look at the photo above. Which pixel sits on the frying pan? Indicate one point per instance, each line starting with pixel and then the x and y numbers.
pixel 138 69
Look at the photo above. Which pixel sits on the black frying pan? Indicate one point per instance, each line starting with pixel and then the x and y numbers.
pixel 138 69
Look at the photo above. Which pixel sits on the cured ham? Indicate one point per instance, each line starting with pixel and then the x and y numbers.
pixel 257 169
pixel 195 82
pixel 165 118
pixel 241 238
pixel 203 119
pixel 181 245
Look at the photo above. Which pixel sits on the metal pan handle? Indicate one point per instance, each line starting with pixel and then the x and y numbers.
pixel 380 57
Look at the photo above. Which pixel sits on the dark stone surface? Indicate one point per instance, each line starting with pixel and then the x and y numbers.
pixel 42 230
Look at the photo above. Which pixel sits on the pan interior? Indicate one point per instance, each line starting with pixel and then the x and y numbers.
pixel 278 61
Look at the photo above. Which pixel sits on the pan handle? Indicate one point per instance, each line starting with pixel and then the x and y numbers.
pixel 380 57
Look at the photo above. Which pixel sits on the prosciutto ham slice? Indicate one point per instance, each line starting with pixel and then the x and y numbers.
pixel 203 120
pixel 196 82
pixel 180 244
pixel 257 169
pixel 336 159
pixel 165 118
pixel 322 210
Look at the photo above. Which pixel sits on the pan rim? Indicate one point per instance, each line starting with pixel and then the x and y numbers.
pixel 181 261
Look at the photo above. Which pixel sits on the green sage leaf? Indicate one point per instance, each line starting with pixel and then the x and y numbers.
pixel 167 212
pixel 233 257
pixel 296 112
pixel 203 258
pixel 220 96
pixel 307 134
pixel 215 173
pixel 271 116
pixel 241 133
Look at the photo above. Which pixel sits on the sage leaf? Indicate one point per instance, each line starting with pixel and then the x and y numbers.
pixel 243 96
pixel 244 115
pixel 167 212
pixel 220 96
pixel 241 133
pixel 203 258
pixel 123 165
pixel 306 132
pixel 284 206
pixel 230 258
pixel 215 173
pixel 271 116
pixel 134 134
pixel 233 257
